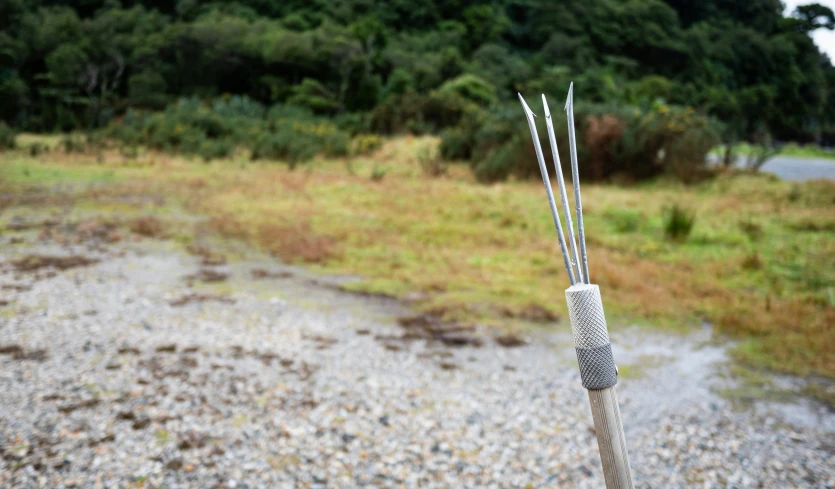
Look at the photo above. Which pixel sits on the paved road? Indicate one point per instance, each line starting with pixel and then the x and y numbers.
pixel 794 168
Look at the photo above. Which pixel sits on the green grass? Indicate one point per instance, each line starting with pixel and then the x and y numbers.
pixel 23 170
pixel 807 151
pixel 759 261
pixel 791 149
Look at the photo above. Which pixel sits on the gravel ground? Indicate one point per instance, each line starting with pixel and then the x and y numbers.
pixel 127 373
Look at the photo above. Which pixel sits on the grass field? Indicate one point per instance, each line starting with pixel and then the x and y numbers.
pixel 759 263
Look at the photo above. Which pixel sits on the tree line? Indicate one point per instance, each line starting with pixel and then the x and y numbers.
pixel 70 64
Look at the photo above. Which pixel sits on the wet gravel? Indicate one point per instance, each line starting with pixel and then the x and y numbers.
pixel 130 372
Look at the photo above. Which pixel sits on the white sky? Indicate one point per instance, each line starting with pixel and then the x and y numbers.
pixel 824 38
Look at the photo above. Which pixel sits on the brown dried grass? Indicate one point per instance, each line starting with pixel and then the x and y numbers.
pixel 297 241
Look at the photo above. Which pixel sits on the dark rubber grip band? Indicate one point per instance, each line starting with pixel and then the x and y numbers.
pixel 597 367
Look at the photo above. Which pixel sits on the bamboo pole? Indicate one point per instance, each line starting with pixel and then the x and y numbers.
pixel 610 438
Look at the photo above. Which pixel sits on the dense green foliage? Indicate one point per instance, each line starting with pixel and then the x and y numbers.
pixel 613 140
pixel 215 129
pixel 416 65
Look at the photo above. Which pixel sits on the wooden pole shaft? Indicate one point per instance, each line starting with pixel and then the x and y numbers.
pixel 610 438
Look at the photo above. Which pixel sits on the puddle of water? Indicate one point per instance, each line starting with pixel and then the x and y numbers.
pixel 662 372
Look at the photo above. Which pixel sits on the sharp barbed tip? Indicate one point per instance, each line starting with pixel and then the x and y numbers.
pixel 545 107
pixel 569 100
pixel 525 105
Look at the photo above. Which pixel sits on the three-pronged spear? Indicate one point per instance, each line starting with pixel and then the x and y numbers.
pixel 553 139
pixel 585 309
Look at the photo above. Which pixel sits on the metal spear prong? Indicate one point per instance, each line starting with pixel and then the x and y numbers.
pixel 561 183
pixel 575 175
pixel 547 181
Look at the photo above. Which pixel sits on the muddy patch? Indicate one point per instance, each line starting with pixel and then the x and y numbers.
pixel 197 298
pixel 322 342
pixel 17 352
pixel 207 256
pixel 147 226
pixel 261 274
pixel 74 406
pixel 531 312
pixel 34 263
pixel 207 275
pixel 92 232
pixel 432 328
pixel 18 224
pixel 510 340
pixel 16 287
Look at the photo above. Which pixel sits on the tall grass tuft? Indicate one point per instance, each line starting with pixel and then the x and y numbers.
pixel 624 220
pixel 378 173
pixel 430 163
pixel 751 229
pixel 7 137
pixel 678 223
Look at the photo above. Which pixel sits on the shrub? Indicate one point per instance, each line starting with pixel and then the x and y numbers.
pixel 354 124
pixel 662 140
pixel 285 146
pixel 238 107
pixel 72 144
pixel 456 144
pixel 36 149
pixel 94 140
pixel 613 141
pixel 365 143
pixel 499 164
pixel 378 172
pixel 420 113
pixel 471 87
pixel 147 88
pixel 678 223
pixel 129 151
pixel 334 142
pixel 400 81
pixel 268 147
pixel 8 136
pixel 752 261
pixel 213 130
pixel 502 147
pixel 300 150
pixel 297 142
pixel 431 164
pixel 314 95
pixel 751 229
pixel 601 134
pixel 214 149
